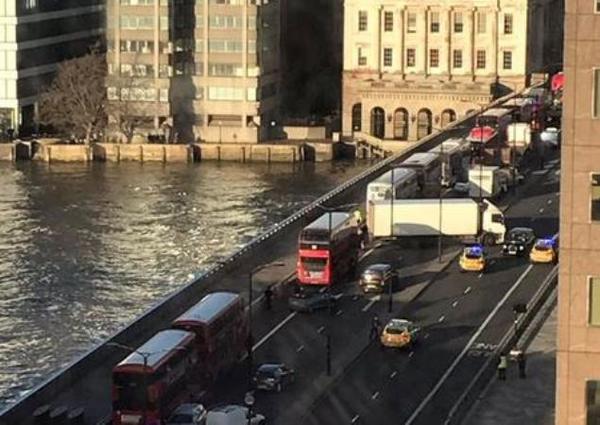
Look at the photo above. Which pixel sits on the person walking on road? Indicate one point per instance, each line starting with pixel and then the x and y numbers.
pixel 502 365
pixel 268 297
pixel 521 362
pixel 374 332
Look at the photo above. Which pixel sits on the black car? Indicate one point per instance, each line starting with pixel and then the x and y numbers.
pixel 518 241
pixel 273 377
pixel 375 277
pixel 309 301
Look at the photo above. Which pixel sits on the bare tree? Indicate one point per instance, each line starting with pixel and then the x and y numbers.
pixel 75 101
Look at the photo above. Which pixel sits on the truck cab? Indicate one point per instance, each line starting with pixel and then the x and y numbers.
pixel 493 228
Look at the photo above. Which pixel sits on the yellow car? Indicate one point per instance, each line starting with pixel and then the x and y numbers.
pixel 544 251
pixel 472 259
pixel 399 333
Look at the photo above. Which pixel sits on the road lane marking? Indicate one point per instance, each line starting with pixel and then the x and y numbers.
pixel 375 395
pixel 300 349
pixel 454 304
pixel 366 254
pixel 275 329
pixel 371 302
pixel 541 210
pixel 393 374
pixel 426 336
pixel 480 275
pixel 441 319
pixel 412 353
pixel 339 313
pixel 338 296
pixel 549 201
pixel 354 419
pixel 321 329
pixel 467 347
pixel 355 297
pixel 467 290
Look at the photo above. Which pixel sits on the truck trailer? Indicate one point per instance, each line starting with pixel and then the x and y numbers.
pixel 459 217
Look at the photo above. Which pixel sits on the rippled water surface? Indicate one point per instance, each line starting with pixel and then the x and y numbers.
pixel 84 249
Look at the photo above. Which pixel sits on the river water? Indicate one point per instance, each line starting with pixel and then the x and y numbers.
pixel 86 248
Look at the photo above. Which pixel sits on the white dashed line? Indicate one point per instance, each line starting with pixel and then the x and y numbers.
pixel 412 353
pixel 321 329
pixel 354 419
pixel 355 297
pixel 549 201
pixel 541 210
pixel 375 395
pixel 425 336
pixel 441 319
pixel 467 290
pixel 300 349
pixel 339 313
pixel 480 275
pixel 371 302
pixel 393 374
pixel 454 304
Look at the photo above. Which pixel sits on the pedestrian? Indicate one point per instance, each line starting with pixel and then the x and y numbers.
pixel 268 297
pixel 521 362
pixel 502 365
pixel 374 332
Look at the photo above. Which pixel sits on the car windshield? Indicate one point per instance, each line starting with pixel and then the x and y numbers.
pixel 266 373
pixel 314 264
pixel 542 246
pixel 519 235
pixel 180 418
pixel 396 330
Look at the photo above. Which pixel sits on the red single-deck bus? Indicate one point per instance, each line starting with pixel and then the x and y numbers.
pixel 153 378
pixel 487 146
pixel 328 249
pixel 219 323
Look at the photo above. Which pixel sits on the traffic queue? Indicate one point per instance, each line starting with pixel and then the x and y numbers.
pixel 156 381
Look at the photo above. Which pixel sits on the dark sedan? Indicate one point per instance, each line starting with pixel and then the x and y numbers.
pixel 273 377
pixel 309 301
pixel 375 277
pixel 518 241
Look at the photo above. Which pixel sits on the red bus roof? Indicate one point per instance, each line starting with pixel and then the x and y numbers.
pixel 477 134
pixel 158 349
pixel 558 82
pixel 209 307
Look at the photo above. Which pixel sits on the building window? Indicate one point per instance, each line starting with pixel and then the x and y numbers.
pixel 458 22
pixel 435 22
pixel 481 22
pixel 410 57
pixel 596 90
pixel 30 4
pixel 434 58
pixel 592 391
pixel 357 117
pixel 480 59
pixel 508 23
pixel 362 58
pixel 387 56
pixel 506 60
pixel 362 20
pixel 595 197
pixel 388 21
pixel 594 301
pixel 411 22
pixel 457 59
pixel 597 6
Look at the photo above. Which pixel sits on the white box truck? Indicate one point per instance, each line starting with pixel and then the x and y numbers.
pixel 492 181
pixel 459 217
pixel 518 136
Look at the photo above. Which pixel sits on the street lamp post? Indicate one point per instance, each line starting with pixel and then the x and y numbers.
pixel 392 193
pixel 391 293
pixel 220 131
pixel 328 352
pixel 249 401
pixel 250 339
pixel 440 233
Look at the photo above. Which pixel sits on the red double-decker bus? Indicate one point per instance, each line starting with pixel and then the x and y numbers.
pixel 328 249
pixel 151 381
pixel 221 328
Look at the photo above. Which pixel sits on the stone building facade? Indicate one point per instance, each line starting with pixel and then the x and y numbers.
pixel 203 69
pixel 410 66
pixel 578 345
pixel 35 36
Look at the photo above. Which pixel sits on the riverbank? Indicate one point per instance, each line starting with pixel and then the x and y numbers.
pixel 290 152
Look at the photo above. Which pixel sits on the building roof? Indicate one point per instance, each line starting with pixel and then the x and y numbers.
pixel 209 307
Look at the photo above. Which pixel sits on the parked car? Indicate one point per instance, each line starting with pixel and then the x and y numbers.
pixel 309 301
pixel 232 414
pixel 273 377
pixel 518 241
pixel 399 333
pixel 375 277
pixel 551 136
pixel 188 414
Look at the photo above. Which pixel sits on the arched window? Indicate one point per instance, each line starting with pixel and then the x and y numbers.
pixel 448 115
pixel 378 122
pixel 423 123
pixel 357 117
pixel 401 124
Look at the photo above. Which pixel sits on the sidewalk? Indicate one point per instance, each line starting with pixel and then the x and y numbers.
pixel 523 401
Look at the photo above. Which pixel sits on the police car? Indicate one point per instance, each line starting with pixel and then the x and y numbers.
pixel 544 251
pixel 472 259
